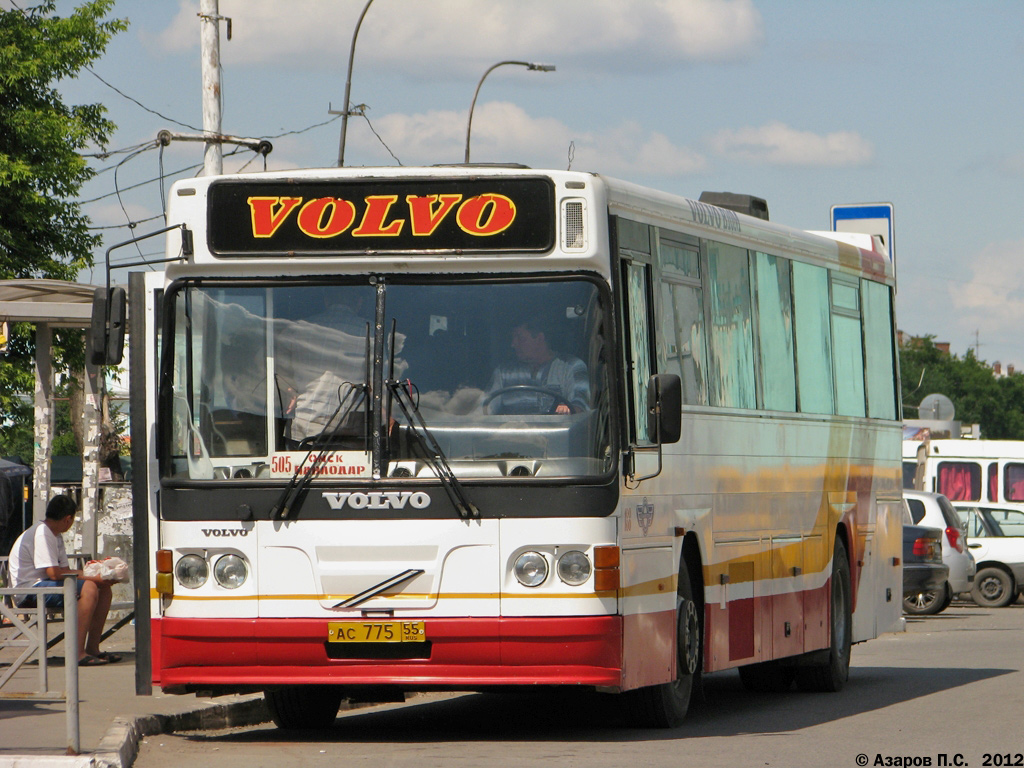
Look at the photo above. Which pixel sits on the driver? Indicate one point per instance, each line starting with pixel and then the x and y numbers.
pixel 539 367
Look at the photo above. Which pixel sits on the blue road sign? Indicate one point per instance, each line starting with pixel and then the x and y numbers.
pixel 866 218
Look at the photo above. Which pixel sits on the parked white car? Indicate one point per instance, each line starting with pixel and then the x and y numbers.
pixel 996 538
pixel 935 511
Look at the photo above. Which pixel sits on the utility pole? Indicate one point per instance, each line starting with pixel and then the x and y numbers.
pixel 209 40
pixel 346 111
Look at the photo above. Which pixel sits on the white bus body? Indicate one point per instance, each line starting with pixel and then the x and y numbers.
pixel 966 470
pixel 653 563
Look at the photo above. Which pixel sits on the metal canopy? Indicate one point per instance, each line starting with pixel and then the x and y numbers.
pixel 56 302
pixel 53 304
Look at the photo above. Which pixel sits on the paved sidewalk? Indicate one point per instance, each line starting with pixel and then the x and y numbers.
pixel 112 718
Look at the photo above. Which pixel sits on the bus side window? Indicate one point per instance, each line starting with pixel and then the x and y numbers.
pixel 813 338
pixel 775 332
pixel 730 333
pixel 960 480
pixel 1013 482
pixel 638 343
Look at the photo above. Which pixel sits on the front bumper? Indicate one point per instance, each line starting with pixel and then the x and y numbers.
pixel 463 653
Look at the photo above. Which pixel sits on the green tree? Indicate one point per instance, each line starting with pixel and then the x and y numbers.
pixel 43 232
pixel 997 405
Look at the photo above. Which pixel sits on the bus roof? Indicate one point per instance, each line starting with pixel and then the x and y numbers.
pixel 620 197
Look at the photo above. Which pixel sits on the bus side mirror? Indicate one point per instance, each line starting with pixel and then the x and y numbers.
pixel 109 316
pixel 665 408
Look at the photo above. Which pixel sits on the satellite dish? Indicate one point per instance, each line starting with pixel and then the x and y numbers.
pixel 937 408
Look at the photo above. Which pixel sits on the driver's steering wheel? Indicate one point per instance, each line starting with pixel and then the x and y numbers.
pixel 557 398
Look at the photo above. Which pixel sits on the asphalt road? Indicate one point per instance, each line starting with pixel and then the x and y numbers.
pixel 947 692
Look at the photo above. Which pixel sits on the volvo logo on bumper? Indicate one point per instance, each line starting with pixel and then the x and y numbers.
pixel 378 500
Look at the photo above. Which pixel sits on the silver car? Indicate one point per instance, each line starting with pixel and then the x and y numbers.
pixel 935 510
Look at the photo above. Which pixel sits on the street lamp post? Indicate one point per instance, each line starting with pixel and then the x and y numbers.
pixel 527 64
pixel 348 86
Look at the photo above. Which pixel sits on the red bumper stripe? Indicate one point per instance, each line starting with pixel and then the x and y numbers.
pixel 463 652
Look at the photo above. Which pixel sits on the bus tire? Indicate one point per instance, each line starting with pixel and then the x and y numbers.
pixel 831 674
pixel 304 707
pixel 666 705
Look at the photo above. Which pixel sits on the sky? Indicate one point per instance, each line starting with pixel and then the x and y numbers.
pixel 806 103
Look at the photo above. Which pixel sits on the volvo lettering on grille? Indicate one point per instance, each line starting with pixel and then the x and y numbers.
pixel 378 500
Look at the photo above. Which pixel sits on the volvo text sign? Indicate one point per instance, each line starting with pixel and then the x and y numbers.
pixel 868 219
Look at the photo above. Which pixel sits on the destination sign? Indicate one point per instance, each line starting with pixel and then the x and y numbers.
pixel 326 218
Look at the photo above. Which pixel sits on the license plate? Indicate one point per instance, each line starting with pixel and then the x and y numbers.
pixel 375 632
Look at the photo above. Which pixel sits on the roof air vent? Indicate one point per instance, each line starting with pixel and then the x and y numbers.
pixel 748 204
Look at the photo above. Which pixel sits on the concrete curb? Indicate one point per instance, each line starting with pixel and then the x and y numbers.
pixel 120 745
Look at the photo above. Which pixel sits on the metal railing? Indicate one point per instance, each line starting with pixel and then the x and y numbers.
pixel 30 632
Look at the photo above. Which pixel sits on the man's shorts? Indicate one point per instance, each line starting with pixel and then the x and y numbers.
pixel 51 601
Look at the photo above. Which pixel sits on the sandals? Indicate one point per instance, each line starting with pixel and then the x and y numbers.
pixel 110 658
pixel 92 661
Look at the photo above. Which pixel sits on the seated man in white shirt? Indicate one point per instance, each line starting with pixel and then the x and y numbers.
pixel 39 559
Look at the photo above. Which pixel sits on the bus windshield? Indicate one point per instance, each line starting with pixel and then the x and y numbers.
pixel 508 379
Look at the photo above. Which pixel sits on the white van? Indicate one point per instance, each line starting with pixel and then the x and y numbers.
pixel 966 470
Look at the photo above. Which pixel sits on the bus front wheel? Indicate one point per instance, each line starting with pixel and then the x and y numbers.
pixel 666 705
pixel 832 672
pixel 304 707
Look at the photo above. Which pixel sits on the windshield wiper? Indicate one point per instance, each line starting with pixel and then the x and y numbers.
pixel 427 442
pixel 294 493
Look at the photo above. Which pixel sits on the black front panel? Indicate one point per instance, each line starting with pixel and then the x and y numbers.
pixel 258 218
pixel 395 501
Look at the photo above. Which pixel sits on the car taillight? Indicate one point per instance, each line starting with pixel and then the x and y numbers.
pixel 925 548
pixel 953 537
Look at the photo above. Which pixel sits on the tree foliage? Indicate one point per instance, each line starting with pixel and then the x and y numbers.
pixel 996 404
pixel 43 232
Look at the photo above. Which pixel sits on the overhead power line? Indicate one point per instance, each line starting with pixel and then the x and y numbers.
pixel 139 103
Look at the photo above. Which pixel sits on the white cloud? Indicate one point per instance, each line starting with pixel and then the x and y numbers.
pixel 504 132
pixel 442 37
pixel 992 301
pixel 779 144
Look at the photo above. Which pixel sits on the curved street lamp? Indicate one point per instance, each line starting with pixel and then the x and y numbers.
pixel 348 86
pixel 527 64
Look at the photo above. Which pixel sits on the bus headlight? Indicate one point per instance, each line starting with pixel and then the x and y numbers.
pixel 192 571
pixel 574 568
pixel 230 571
pixel 531 569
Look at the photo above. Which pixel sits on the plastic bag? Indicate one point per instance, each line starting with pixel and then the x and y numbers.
pixel 111 569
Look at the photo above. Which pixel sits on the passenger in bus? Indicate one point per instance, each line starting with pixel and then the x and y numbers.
pixel 322 356
pixel 517 389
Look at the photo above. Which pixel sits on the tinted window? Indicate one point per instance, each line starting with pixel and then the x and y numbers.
pixel 731 379
pixel 909 471
pixel 775 333
pixel 813 338
pixel 960 480
pixel 681 348
pixel 1013 482
pixel 879 360
pixel 916 509
pixel 639 345
pixel 847 349
pixel 948 513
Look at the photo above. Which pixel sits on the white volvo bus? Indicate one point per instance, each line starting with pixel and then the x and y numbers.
pixel 472 427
